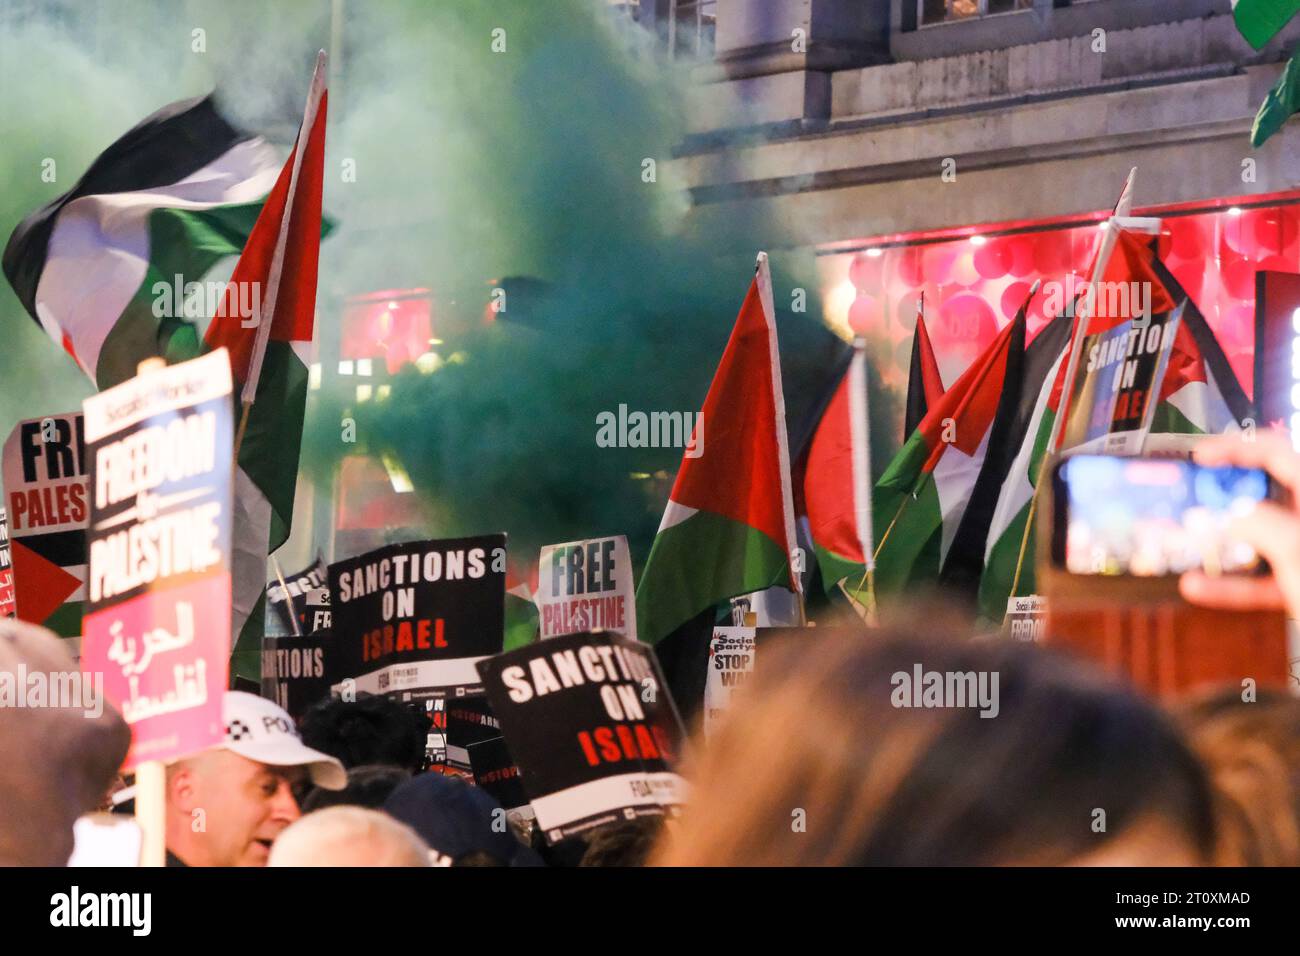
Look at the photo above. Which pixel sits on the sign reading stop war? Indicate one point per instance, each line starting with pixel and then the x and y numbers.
pixel 44 466
pixel 586 586
pixel 411 620
pixel 158 573
pixel 731 662
pixel 589 722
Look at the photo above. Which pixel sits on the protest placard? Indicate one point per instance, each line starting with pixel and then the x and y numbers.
pixel 469 721
pixel 44 468
pixel 293 596
pixel 158 573
pixel 411 620
pixel 586 586
pixel 6 570
pixel 294 672
pixel 731 662
pixel 1115 393
pixel 592 728
pixel 496 772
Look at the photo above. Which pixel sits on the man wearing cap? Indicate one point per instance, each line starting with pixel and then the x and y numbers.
pixel 226 805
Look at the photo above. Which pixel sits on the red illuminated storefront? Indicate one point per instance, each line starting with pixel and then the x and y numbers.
pixel 974 280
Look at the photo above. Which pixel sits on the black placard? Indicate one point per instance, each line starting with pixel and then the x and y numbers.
pixel 412 619
pixel 295 671
pixel 592 728
pixel 496 772
pixel 295 599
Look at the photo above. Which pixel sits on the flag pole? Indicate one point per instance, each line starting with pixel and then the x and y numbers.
pixel 266 308
pixel 860 432
pixel 764 274
pixel 151 775
pixel 293 617
pixel 1122 208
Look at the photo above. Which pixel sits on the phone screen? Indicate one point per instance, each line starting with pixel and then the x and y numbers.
pixel 1149 517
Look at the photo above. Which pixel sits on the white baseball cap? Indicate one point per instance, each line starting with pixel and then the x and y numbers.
pixel 260 730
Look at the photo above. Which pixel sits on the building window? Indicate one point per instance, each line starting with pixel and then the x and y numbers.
pixel 945 11
pixel 691 28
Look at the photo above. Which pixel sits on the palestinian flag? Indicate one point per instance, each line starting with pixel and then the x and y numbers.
pixel 111 270
pixel 1200 394
pixel 521 611
pixel 836 480
pixel 98 267
pixel 729 525
pixel 923 494
pixel 964 564
pixel 924 384
pixel 1003 563
pixel 1261 20
pixel 268 358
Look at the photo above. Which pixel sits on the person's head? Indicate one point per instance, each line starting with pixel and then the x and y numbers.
pixel 348 836
pixel 850 750
pixel 622 844
pixel 367 786
pixel 456 819
pixel 56 762
pixel 226 805
pixel 1252 752
pixel 370 730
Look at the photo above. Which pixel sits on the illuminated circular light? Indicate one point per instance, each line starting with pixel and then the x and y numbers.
pixel 977 240
pixel 1295 320
pixel 1234 210
pixel 875 253
pixel 391 306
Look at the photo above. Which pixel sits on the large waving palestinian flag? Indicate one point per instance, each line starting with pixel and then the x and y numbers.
pixel 113 271
pixel 269 363
pixel 96 267
pixel 923 494
pixel 729 525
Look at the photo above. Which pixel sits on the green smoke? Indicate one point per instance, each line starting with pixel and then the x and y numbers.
pixel 472 166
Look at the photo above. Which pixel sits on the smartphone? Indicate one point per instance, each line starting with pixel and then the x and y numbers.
pixel 1152 517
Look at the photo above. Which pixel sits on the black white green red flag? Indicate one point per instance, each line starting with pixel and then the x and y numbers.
pixel 729 525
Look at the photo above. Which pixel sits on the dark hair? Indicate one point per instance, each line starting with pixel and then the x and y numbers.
pixel 370 730
pixel 478 858
pixel 881 781
pixel 368 786
pixel 623 844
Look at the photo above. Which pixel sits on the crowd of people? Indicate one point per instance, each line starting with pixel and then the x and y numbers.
pixel 1075 767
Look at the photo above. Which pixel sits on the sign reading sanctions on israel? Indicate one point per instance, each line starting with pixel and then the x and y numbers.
pixel 411 620
pixel 158 572
pixel 588 720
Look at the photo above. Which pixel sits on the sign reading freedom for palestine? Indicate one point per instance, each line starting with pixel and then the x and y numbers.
pixel 590 724
pixel 411 620
pixel 45 491
pixel 158 577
